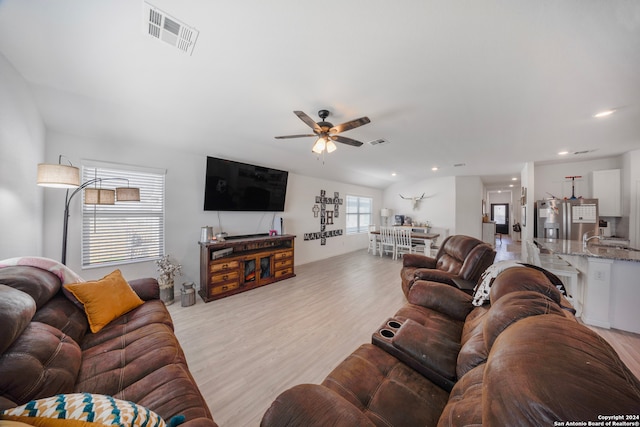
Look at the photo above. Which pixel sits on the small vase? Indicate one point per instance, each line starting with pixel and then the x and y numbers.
pixel 166 290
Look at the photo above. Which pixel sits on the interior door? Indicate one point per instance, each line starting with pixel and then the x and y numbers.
pixel 500 215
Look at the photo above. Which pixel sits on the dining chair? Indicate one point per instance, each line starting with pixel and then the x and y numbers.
pixel 387 241
pixel 403 242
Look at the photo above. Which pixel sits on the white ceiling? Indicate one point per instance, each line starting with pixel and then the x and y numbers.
pixel 490 84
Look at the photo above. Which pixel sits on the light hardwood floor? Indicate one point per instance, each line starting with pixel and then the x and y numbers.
pixel 246 349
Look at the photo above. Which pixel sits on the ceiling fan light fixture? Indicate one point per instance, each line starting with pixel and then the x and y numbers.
pixel 319 146
pixel 331 146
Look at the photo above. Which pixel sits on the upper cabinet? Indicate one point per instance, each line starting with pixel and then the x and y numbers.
pixel 607 189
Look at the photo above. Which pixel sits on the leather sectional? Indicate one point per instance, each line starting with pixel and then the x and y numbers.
pixel 47 348
pixel 522 359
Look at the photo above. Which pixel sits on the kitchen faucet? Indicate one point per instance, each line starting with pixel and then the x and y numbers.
pixel 586 239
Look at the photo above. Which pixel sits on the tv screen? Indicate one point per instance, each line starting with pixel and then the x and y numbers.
pixel 235 186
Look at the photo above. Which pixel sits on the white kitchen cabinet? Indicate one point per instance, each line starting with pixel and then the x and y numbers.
pixel 607 189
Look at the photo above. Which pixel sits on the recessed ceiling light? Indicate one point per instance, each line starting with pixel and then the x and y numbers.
pixel 435 168
pixel 604 113
pixel 563 153
pixel 514 179
pixel 393 174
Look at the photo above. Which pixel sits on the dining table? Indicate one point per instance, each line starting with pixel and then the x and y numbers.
pixel 417 237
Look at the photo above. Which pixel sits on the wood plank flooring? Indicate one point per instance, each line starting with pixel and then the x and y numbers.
pixel 246 349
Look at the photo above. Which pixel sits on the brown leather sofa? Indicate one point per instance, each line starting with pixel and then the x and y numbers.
pixel 460 262
pixel 46 348
pixel 522 360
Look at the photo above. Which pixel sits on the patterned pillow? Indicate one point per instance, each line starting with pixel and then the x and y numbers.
pixel 83 409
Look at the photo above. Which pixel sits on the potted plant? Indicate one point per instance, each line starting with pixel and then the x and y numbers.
pixel 168 271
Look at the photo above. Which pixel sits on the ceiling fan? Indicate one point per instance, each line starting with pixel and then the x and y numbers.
pixel 327 132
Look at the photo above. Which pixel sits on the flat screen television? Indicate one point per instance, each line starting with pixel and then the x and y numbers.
pixel 235 186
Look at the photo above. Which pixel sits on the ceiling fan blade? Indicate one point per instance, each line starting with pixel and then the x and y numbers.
pixel 308 120
pixel 350 125
pixel 294 136
pixel 346 140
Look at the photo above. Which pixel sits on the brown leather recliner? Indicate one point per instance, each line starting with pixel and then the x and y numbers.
pixel 460 262
pixel 521 360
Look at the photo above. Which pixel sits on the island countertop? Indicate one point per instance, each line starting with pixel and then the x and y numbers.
pixel 593 249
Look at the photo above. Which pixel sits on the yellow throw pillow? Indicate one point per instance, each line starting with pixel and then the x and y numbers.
pixel 106 299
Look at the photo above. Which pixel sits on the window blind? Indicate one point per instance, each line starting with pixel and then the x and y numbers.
pixel 358 214
pixel 124 232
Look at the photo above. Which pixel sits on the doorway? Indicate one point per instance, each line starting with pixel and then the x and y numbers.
pixel 500 215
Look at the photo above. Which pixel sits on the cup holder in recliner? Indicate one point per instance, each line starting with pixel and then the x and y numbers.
pixel 394 324
pixel 387 333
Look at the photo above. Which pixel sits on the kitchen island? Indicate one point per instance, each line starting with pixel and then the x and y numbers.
pixel 608 284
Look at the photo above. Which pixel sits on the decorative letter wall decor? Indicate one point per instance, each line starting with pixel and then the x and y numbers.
pixel 326 216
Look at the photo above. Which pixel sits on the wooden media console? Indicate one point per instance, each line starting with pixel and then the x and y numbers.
pixel 239 265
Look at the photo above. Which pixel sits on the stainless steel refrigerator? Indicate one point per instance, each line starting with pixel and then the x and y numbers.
pixel 566 219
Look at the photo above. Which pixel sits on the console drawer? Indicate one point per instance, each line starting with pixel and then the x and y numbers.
pixel 225 276
pixel 284 272
pixel 283 263
pixel 215 290
pixel 221 266
pixel 282 255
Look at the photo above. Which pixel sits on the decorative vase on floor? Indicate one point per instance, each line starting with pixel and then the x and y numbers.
pixel 168 271
pixel 166 290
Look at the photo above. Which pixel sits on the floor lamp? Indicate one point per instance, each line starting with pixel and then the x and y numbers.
pixel 68 176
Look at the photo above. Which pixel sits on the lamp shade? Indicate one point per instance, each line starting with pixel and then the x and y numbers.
pixel 99 196
pixel 319 146
pixel 59 176
pixel 127 194
pixel 385 213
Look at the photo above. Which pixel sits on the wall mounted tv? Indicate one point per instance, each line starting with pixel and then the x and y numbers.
pixel 235 186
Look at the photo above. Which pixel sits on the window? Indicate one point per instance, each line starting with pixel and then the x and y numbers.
pixel 358 214
pixel 124 232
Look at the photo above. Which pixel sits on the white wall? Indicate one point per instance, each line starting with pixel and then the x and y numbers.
pixel 438 207
pixel 22 147
pixel 453 203
pixel 551 178
pixel 468 208
pixel 299 218
pixel 184 208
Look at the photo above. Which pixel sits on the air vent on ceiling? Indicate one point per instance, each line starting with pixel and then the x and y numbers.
pixel 459 165
pixel 380 141
pixel 577 153
pixel 164 27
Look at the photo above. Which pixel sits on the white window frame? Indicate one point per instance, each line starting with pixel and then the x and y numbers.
pixel 126 232
pixel 360 213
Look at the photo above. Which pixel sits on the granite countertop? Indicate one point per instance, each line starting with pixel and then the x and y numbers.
pixel 593 249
